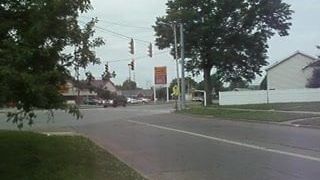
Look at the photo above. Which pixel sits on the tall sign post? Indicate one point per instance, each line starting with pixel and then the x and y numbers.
pixel 160 79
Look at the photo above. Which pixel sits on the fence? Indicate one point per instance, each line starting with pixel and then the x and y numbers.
pixel 271 96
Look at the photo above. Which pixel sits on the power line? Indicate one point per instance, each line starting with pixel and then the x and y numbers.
pixel 120 24
pixel 136 58
pixel 117 34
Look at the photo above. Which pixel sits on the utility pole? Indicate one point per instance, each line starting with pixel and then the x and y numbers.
pixel 129 66
pixel 183 87
pixel 177 63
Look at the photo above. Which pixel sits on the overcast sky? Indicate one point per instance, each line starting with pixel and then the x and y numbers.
pixel 304 35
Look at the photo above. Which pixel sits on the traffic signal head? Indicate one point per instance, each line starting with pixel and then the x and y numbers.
pixel 131 46
pixel 107 67
pixel 150 50
pixel 132 65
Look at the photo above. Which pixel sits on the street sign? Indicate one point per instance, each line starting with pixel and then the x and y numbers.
pixel 160 75
pixel 176 90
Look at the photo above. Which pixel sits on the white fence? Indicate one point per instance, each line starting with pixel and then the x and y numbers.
pixel 271 96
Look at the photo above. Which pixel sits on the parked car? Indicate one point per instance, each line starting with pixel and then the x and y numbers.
pixel 108 103
pixel 133 101
pixel 116 101
pixel 197 99
pixel 91 101
pixel 145 100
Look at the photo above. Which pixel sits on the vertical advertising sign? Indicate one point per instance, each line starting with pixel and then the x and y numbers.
pixel 160 75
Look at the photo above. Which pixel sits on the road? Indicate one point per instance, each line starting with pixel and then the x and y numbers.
pixel 162 145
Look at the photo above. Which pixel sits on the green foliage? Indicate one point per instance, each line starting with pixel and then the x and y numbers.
pixel 239 83
pixel 314 81
pixel 87 84
pixel 107 74
pixel 33 64
pixel 189 83
pixel 129 85
pixel 103 94
pixel 264 83
pixel 216 81
pixel 161 94
pixel 229 35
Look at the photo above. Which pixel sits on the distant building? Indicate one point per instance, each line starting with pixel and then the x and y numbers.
pixel 107 85
pixel 291 73
pixel 138 93
pixel 70 91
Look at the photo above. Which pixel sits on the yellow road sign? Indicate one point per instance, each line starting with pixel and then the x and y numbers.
pixel 176 90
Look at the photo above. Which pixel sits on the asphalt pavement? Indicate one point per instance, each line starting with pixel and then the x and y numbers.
pixel 164 145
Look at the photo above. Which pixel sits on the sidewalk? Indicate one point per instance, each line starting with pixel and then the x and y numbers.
pixel 312 122
pixel 272 110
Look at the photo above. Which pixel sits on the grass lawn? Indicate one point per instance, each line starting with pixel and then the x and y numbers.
pixel 31 156
pixel 312 106
pixel 245 115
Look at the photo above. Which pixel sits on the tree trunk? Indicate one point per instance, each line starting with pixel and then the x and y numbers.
pixel 208 84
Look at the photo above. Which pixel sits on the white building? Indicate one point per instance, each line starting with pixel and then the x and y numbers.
pixel 290 73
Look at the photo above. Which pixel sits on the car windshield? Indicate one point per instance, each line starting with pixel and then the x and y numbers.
pixel 160 89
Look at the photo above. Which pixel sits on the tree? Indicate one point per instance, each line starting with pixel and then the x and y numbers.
pixel 190 84
pixel 228 35
pixel 216 82
pixel 314 81
pixel 107 75
pixel 129 85
pixel 264 83
pixel 103 93
pixel 34 65
pixel 239 83
pixel 83 54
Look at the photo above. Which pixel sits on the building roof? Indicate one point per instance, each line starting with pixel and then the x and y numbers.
pixel 100 83
pixel 288 58
pixel 109 85
pixel 314 64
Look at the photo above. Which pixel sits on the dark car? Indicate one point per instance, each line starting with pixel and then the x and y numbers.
pixel 90 102
pixel 116 101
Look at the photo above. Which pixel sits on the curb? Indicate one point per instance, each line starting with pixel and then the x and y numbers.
pixel 252 121
pixel 61 133
pixel 270 110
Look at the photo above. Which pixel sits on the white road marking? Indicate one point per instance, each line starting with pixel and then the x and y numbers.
pixel 261 148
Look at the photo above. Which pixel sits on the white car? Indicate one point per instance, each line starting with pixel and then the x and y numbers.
pixel 145 100
pixel 133 101
pixel 197 99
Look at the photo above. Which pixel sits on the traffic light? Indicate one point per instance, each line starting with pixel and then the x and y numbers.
pixel 132 65
pixel 107 67
pixel 150 50
pixel 131 46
